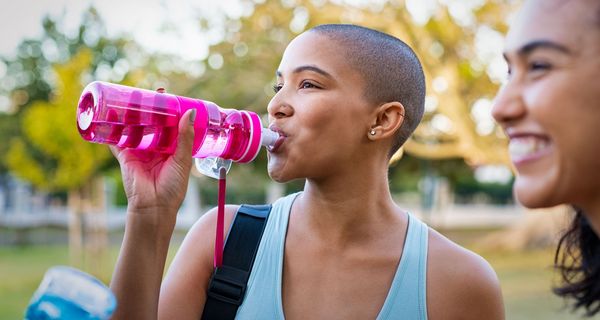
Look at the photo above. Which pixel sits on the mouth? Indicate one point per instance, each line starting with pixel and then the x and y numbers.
pixel 526 148
pixel 279 141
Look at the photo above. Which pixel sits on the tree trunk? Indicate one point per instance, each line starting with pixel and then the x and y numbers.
pixel 191 208
pixel 75 227
pixel 88 237
pixel 274 191
pixel 96 235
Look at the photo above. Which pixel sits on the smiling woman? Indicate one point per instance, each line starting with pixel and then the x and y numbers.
pixel 550 110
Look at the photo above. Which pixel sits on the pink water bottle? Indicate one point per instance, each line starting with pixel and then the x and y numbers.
pixel 148 120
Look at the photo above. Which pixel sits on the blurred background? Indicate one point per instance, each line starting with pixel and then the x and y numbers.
pixel 61 198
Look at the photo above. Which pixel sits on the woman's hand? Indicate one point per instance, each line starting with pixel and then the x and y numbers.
pixel 155 185
pixel 156 182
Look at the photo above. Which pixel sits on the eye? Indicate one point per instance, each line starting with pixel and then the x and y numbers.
pixel 509 71
pixel 539 66
pixel 307 85
pixel 277 87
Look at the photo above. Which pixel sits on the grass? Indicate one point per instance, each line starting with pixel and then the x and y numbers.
pixel 21 270
pixel 525 277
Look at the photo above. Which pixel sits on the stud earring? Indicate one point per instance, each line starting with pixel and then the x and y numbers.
pixel 372 132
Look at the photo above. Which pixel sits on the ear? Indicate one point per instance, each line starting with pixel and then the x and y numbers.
pixel 388 120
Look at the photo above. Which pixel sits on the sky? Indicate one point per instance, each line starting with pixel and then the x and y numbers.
pixel 159 25
pixel 169 26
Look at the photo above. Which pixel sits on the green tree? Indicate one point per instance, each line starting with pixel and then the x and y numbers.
pixel 67 161
pixel 30 77
pixel 43 146
pixel 53 157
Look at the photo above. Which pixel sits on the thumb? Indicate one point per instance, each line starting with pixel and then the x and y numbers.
pixel 185 138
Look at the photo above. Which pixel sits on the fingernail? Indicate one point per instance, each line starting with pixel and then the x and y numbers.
pixel 193 116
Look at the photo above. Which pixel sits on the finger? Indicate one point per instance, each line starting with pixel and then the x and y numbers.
pixel 115 151
pixel 185 138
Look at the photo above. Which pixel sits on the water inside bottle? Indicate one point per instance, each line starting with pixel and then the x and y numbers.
pixel 50 307
pixel 128 126
pixel 68 293
pixel 147 120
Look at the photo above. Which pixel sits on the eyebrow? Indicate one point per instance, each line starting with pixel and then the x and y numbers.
pixel 529 47
pixel 307 68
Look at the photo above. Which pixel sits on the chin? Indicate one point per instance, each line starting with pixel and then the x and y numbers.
pixel 277 178
pixel 535 194
pixel 279 170
pixel 277 174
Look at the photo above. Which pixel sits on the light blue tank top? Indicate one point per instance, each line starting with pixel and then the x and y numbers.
pixel 405 300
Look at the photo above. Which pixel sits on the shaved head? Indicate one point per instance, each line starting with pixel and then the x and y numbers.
pixel 389 67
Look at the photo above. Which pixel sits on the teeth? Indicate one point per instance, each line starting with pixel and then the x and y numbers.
pixel 522 147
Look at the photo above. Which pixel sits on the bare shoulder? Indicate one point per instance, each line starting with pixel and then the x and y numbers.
pixel 460 283
pixel 183 290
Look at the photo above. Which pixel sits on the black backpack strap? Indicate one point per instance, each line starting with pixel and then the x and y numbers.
pixel 228 283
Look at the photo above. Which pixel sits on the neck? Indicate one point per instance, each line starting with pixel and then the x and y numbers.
pixel 349 207
pixel 591 210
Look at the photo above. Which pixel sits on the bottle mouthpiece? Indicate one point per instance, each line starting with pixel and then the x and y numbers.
pixel 269 138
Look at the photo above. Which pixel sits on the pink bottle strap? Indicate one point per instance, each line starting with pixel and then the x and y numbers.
pixel 218 260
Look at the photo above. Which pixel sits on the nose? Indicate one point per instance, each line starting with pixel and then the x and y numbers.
pixel 279 108
pixel 508 105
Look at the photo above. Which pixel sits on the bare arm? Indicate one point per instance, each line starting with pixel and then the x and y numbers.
pixel 460 284
pixel 183 292
pixel 155 186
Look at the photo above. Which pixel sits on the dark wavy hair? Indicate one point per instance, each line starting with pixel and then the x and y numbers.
pixel 578 260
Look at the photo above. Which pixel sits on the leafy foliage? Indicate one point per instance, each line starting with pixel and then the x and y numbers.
pixel 45 80
pixel 65 161
pixel 238 73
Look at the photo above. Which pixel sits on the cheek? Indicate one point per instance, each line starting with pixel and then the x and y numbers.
pixel 332 133
pixel 567 95
pixel 320 122
pixel 544 100
pixel 338 117
pixel 567 110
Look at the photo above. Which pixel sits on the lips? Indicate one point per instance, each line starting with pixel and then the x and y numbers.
pixel 528 147
pixel 279 141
